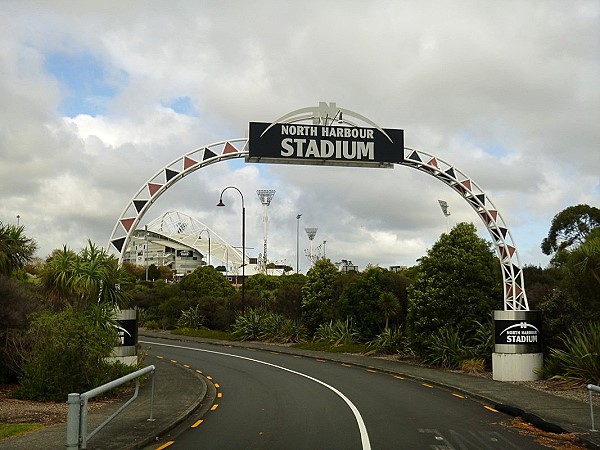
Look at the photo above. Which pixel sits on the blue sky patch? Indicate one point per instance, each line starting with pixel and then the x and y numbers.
pixel 495 150
pixel 183 105
pixel 84 77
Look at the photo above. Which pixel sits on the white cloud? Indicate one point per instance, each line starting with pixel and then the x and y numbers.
pixel 507 93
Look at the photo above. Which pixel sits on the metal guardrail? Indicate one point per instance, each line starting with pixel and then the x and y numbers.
pixel 594 388
pixel 77 414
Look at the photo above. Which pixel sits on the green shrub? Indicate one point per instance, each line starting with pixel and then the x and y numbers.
pixel 66 353
pixel 151 325
pixel 389 341
pixel 250 325
pixel 337 332
pixel 451 349
pixel 579 359
pixel 191 318
pixel 258 324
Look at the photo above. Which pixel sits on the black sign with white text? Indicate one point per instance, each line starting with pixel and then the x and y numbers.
pixel 324 144
pixel 518 332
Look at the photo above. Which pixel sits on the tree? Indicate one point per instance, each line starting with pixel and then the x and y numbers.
pixel 369 300
pixel 458 283
pixel 18 301
pixel 569 229
pixel 319 302
pixel 16 249
pixel 206 281
pixel 389 305
pixel 586 257
pixel 78 280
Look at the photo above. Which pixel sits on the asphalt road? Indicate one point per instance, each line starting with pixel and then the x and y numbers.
pixel 268 400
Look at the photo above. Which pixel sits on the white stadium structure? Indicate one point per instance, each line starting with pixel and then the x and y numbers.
pixel 183 243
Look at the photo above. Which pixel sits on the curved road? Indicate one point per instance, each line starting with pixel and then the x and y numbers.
pixel 270 400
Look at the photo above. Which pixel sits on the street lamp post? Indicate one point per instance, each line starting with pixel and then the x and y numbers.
pixel 243 242
pixel 146 249
pixel 297 239
pixel 200 237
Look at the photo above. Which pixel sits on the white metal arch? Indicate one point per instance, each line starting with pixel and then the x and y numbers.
pixel 512 273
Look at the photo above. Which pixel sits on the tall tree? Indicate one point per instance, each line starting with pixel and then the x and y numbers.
pixel 458 283
pixel 319 300
pixel 569 229
pixel 16 249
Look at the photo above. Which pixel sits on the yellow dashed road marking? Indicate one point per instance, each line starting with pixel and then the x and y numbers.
pixel 490 408
pixel 165 445
pixel 217 385
pixel 220 394
pixel 215 406
pixel 173 361
pixel 197 423
pixel 346 365
pixel 428 385
pixel 160 357
pixel 199 371
pixel 398 377
pixel 458 395
pixel 186 366
pixel 210 378
pixel 371 370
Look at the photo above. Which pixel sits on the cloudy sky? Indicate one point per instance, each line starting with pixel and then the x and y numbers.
pixel 98 96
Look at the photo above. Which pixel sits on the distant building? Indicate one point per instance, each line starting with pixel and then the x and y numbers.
pixel 147 248
pixel 183 243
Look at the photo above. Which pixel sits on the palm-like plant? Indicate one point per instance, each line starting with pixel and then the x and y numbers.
pixel 15 248
pixel 78 280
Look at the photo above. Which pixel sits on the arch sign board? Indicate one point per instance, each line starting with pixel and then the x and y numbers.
pixel 324 145
pixel 329 135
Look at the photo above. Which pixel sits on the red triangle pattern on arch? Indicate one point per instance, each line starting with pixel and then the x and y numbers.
pixel 127 223
pixel 153 188
pixel 188 162
pixel 229 149
pixel 433 162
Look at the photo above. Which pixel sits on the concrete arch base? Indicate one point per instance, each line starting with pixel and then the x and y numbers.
pixel 517 345
pixel 516 367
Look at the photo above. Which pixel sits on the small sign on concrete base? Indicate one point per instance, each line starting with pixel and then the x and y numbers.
pixel 517 345
pixel 128 335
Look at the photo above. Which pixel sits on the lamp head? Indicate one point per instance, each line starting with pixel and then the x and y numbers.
pixel 221 202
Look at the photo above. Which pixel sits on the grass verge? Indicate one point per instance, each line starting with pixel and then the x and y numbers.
pixel 204 333
pixel 13 429
pixel 332 348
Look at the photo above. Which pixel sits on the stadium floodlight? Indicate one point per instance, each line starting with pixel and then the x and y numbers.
pixel 311 233
pixel 444 206
pixel 265 196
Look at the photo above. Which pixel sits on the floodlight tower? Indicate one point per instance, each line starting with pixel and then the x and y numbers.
pixel 444 206
pixel 311 233
pixel 265 196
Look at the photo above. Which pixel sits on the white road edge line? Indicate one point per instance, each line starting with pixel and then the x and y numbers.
pixel 364 436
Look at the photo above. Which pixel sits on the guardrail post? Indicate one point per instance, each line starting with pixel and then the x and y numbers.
pixel 151 419
pixel 591 388
pixel 77 415
pixel 73 421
